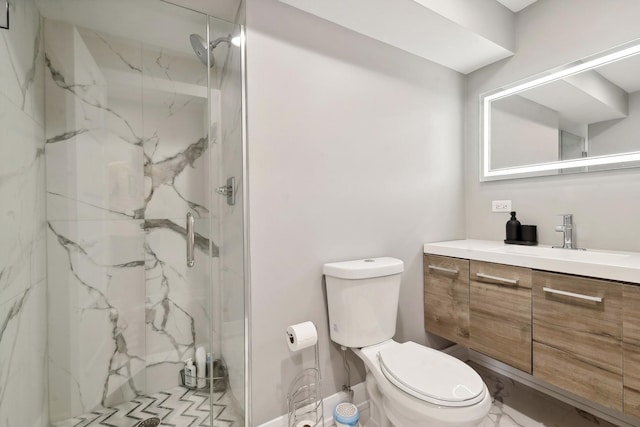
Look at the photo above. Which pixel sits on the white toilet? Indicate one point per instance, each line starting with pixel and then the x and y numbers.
pixel 409 385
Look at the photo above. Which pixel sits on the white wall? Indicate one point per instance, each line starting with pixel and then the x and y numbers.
pixel 355 150
pixel 550 33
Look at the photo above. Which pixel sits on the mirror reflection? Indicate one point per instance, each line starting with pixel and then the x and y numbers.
pixel 581 118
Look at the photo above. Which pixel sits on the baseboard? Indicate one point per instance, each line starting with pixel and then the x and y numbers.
pixel 359 396
pixel 465 354
pixel 330 402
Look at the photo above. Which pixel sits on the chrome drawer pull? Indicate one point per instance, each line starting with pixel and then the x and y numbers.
pixel 444 270
pixel 513 282
pixel 573 295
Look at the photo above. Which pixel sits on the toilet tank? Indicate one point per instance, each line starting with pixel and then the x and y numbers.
pixel 362 298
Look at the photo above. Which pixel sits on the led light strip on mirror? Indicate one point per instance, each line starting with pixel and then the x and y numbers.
pixel 487 173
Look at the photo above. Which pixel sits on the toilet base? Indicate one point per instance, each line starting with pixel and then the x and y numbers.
pixel 377 415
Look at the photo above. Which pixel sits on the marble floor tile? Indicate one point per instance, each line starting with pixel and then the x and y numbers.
pixel 514 405
pixel 517 405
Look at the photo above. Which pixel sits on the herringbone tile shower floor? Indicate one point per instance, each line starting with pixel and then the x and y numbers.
pixel 177 407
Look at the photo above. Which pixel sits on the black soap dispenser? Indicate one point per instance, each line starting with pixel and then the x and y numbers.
pixel 513 229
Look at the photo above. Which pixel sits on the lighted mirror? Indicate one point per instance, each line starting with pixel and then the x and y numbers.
pixel 578 118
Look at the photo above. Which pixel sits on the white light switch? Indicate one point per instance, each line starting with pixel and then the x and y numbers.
pixel 501 206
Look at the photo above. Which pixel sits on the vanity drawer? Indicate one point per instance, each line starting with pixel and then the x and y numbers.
pixel 500 313
pixel 446 297
pixel 577 375
pixel 631 349
pixel 631 380
pixel 577 333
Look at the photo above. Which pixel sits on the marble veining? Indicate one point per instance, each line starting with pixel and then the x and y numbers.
pixel 23 279
pixel 21 70
pixel 127 152
pixel 84 93
pixel 176 311
pixel 517 405
pixel 26 79
pixel 128 144
pixel 118 53
pixel 164 172
pixel 126 279
pixel 94 269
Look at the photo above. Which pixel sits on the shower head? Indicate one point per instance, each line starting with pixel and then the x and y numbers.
pixel 201 49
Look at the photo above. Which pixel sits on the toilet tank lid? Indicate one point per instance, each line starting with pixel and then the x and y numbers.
pixel 364 268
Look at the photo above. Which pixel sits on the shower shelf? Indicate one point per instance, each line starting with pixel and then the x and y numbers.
pixel 217 382
pixel 126 78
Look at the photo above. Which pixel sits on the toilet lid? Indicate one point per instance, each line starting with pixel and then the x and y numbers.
pixel 431 375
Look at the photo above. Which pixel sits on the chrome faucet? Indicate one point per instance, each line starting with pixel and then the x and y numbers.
pixel 567 229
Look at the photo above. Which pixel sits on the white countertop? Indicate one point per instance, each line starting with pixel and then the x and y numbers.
pixel 612 265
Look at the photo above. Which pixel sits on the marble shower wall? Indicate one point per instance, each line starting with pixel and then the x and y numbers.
pixel 23 280
pixel 127 157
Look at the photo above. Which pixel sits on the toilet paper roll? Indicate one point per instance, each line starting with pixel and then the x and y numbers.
pixel 301 335
pixel 305 423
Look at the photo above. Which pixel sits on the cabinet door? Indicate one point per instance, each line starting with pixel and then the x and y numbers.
pixel 446 297
pixel 577 333
pixel 631 347
pixel 500 313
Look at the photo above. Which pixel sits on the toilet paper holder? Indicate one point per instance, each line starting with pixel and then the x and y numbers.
pixel 304 399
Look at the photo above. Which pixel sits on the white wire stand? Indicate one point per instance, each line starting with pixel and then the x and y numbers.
pixel 305 397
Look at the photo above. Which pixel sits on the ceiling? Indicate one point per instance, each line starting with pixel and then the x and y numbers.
pixel 157 23
pixel 463 35
pixel 222 9
pixel 516 5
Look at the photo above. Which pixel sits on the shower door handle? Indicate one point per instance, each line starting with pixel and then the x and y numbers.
pixel 191 240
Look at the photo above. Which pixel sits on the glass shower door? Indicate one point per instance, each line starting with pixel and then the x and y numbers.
pixel 136 142
pixel 228 159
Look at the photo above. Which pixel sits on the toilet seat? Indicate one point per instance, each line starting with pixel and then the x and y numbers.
pixel 407 410
pixel 431 376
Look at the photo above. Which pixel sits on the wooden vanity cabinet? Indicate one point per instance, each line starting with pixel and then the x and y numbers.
pixel 483 306
pixel 577 335
pixel 446 297
pixel 580 334
pixel 500 313
pixel 631 350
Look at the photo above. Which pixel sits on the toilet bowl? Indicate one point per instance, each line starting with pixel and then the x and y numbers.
pixel 409 385
pixel 420 387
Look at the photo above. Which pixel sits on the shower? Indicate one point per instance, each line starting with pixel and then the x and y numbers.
pixel 109 264
pixel 199 46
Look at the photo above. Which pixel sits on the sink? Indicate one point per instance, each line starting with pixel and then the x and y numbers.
pixel 602 264
pixel 562 254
